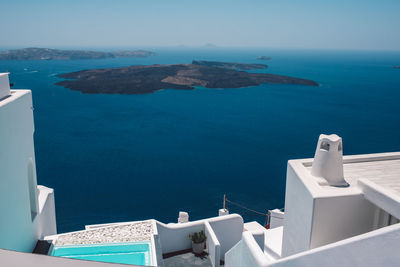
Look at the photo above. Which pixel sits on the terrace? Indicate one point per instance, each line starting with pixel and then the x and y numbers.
pixel 168 244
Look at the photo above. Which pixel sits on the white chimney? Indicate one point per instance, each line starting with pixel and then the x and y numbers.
pixel 328 160
pixel 183 217
pixel 4 85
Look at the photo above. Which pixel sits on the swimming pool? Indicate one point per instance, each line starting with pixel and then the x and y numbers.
pixel 137 253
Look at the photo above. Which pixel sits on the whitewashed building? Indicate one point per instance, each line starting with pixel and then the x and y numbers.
pixel 339 211
pixel 27 210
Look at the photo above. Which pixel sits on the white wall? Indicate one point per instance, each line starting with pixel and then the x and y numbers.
pixel 18 185
pixel 175 236
pixel 246 253
pixel 297 225
pixel 213 245
pixel 4 85
pixel 276 219
pixel 377 248
pixel 16 142
pixel 338 218
pixel 374 249
pixel 228 229
pixel 317 215
pixel 46 221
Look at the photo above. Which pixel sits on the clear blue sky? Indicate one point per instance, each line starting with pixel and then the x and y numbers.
pixel 334 24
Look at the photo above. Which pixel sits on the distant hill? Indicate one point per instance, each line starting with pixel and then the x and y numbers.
pixel 229 65
pixel 396 67
pixel 34 53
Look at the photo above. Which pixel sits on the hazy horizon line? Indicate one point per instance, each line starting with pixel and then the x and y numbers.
pixel 206 47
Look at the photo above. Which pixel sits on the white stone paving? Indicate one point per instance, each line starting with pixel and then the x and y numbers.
pixel 133 232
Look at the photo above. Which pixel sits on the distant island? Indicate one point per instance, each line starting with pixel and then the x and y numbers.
pixel 34 53
pixel 146 79
pixel 396 67
pixel 263 58
pixel 210 45
pixel 229 65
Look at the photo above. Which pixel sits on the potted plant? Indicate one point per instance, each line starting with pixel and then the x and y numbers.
pixel 198 241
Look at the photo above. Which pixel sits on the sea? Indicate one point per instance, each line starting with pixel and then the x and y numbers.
pixel 114 158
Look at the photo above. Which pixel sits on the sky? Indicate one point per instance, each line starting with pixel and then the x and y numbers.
pixel 309 24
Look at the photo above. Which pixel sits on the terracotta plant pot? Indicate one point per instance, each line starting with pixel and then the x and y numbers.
pixel 198 248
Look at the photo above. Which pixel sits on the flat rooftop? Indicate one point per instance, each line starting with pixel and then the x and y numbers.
pixel 376 176
pixel 13 96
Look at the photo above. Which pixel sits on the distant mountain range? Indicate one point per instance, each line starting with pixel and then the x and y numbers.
pixel 34 53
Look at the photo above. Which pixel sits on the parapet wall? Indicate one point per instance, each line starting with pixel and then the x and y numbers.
pixel 175 236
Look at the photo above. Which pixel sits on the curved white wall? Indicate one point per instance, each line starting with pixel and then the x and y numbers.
pixel 376 248
pixel 175 236
pixel 246 253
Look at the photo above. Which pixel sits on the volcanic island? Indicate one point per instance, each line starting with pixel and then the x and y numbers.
pixel 37 53
pixel 145 79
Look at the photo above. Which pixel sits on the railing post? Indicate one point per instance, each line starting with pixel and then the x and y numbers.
pixel 223 211
pixel 224 201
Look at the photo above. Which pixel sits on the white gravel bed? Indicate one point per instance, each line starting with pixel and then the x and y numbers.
pixel 134 232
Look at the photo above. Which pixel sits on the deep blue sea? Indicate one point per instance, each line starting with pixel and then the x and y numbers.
pixel 131 157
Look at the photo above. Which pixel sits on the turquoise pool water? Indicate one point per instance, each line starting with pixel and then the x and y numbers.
pixel 128 253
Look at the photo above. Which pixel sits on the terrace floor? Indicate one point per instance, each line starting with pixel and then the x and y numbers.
pixel 187 260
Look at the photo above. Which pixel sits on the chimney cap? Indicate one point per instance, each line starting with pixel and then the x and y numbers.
pixel 331 137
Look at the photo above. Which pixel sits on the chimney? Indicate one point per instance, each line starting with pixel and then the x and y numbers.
pixel 183 217
pixel 4 86
pixel 328 160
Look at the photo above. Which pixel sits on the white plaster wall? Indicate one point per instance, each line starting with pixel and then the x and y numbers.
pixel 175 237
pixel 4 85
pixel 213 246
pixel 374 249
pixel 157 255
pixel 153 252
pixel 299 205
pixel 258 231
pixel 380 196
pixel 246 253
pixel 234 256
pixel 17 259
pixel 17 231
pixel 46 221
pixel 276 219
pixel 338 218
pixel 317 215
pixel 228 229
